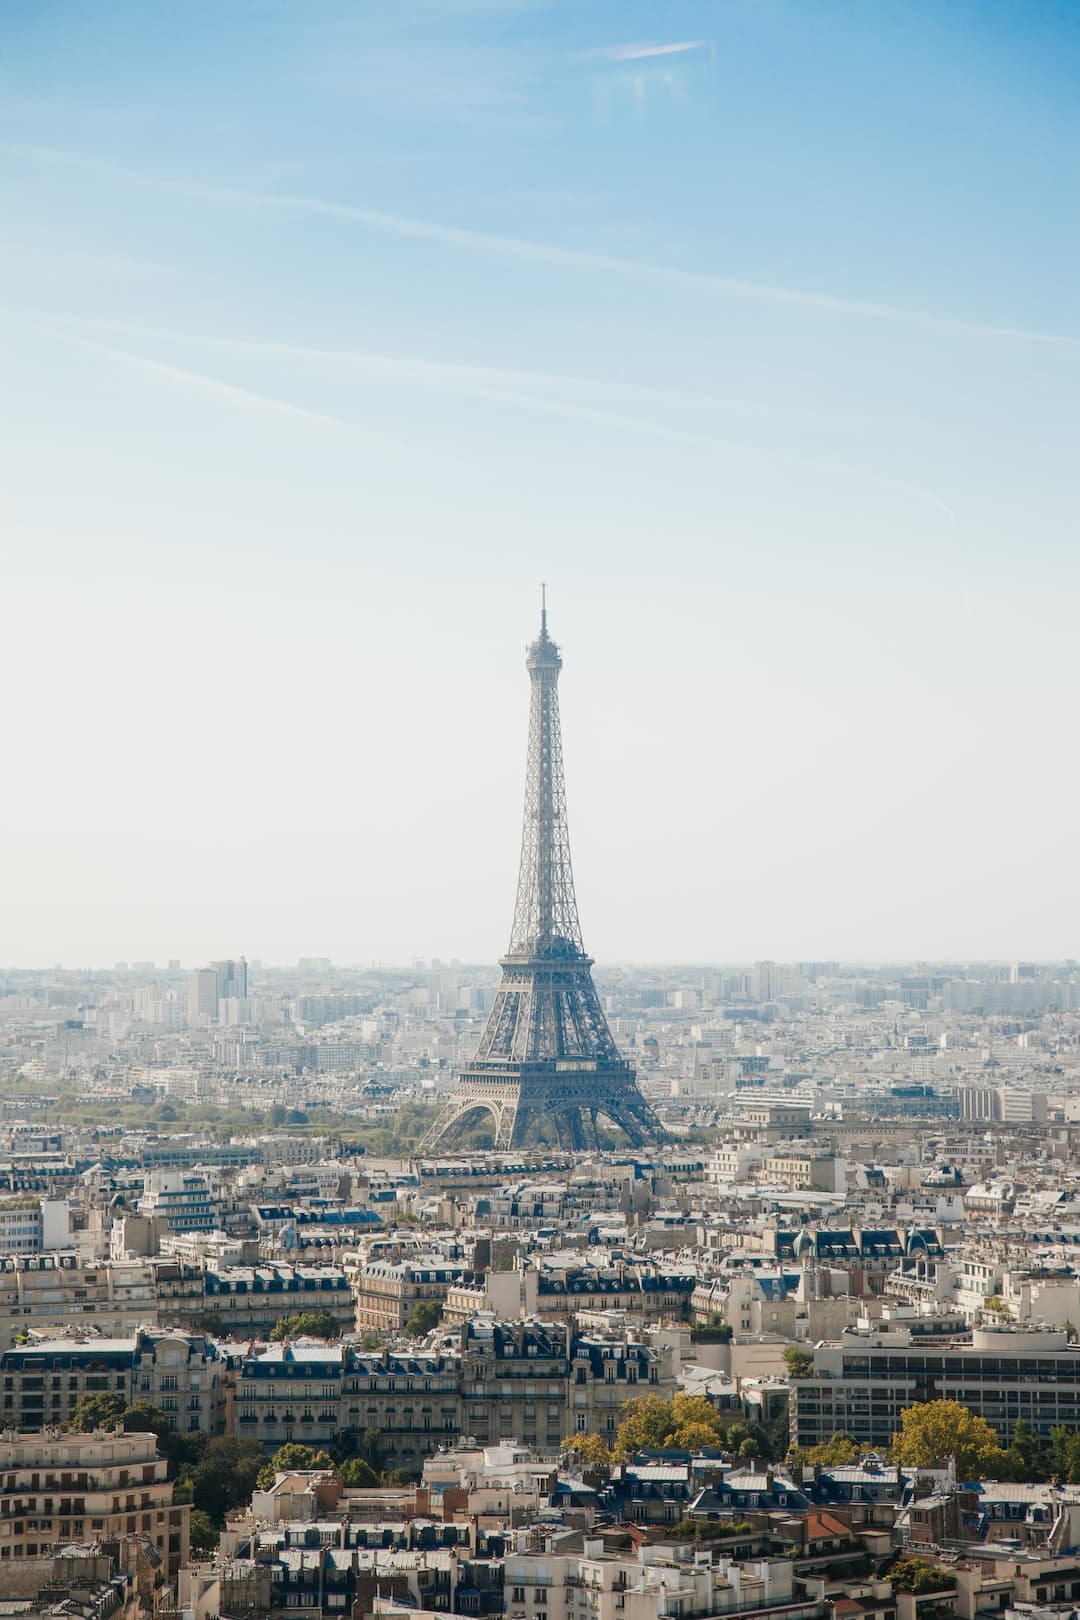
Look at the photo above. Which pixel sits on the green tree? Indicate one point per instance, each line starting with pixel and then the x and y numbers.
pixel 97 1412
pixel 293 1457
pixel 919 1575
pixel 306 1325
pixel 143 1417
pixel 1025 1456
pixel 358 1474
pixel 204 1535
pixel 371 1449
pixel 934 1431
pixel 1063 1455
pixel 799 1362
pixel 756 1434
pixel 224 1476
pixel 838 1449
pixel 398 1476
pixel 425 1314
pixel 687 1422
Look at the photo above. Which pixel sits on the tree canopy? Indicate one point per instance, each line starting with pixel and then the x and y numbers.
pixel 425 1314
pixel 222 1477
pixel 306 1325
pixel 799 1362
pixel 685 1423
pixel 838 1449
pixel 919 1575
pixel 934 1431
pixel 591 1449
pixel 293 1456
pixel 97 1412
pixel 204 1534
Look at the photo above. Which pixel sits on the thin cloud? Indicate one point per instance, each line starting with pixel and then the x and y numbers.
pixel 640 53
pixel 543 252
pixel 246 397
pixel 459 373
pixel 473 381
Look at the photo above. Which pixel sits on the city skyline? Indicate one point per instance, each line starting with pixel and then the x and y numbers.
pixel 326 337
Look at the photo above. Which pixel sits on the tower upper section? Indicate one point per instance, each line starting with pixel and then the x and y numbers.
pixel 545 913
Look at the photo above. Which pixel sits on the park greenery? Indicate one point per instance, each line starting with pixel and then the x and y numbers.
pixel 174 1115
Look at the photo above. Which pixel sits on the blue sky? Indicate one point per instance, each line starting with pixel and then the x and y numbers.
pixel 327 331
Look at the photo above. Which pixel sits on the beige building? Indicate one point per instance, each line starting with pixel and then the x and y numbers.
pixel 73 1487
pixel 385 1291
pixel 803 1170
pixel 181 1373
pixel 48 1291
pixel 661 1581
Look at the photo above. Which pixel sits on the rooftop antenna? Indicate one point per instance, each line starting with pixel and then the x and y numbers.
pixel 543 608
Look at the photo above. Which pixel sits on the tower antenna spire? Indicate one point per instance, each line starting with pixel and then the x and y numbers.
pixel 543 607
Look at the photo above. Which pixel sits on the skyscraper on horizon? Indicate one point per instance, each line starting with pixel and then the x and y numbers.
pixel 547 1068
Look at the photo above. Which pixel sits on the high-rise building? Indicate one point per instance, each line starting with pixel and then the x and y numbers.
pixel 547 1068
pixel 232 979
pixel 202 994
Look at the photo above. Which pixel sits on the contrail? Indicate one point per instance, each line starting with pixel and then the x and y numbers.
pixel 543 252
pixel 241 396
pixel 427 372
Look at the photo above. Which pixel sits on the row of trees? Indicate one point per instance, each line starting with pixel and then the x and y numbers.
pixel 933 1431
pixel 930 1433
pixel 685 1423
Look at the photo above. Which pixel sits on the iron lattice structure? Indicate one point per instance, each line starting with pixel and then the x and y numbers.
pixel 547 1068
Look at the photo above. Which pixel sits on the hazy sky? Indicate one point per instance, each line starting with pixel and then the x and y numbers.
pixel 328 330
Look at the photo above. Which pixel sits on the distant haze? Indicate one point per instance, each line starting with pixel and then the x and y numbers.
pixel 327 333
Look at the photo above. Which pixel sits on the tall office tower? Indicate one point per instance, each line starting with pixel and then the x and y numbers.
pixel 231 979
pixel 764 981
pixel 202 994
pixel 547 1068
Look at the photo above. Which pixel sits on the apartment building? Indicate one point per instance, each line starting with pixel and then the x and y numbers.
pixel 32 1225
pixel 648 1293
pixel 183 1374
pixel 656 1583
pixel 73 1487
pixel 180 1201
pixel 531 1382
pixel 863 1381
pixel 606 1373
pixel 250 1299
pixel 310 1391
pixel 48 1291
pixel 385 1291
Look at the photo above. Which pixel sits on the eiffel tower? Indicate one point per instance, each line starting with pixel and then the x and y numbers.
pixel 547 1067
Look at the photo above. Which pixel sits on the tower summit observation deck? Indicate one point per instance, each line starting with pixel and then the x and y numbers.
pixel 547 1068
